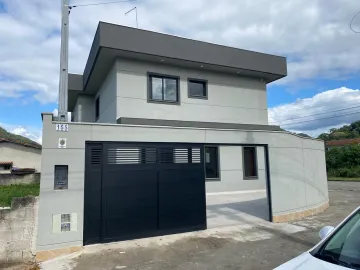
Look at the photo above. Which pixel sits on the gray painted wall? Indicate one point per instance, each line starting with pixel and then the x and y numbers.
pixel 84 110
pixel 297 168
pixel 231 99
pixel 21 156
pixel 107 94
pixel 232 174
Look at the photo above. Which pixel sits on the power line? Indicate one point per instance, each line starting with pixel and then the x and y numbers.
pixel 305 116
pixel 103 3
pixel 352 20
pixel 321 118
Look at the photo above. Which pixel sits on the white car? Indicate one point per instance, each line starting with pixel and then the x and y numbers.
pixel 338 249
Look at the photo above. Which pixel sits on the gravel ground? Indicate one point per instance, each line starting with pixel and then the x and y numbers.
pixel 261 246
pixel 230 252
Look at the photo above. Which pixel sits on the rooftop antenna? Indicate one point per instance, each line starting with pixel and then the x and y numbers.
pixel 135 8
pixel 64 54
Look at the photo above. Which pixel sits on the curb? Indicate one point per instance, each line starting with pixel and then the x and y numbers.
pixel 348 181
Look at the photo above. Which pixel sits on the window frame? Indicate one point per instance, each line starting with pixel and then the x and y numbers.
pixel 162 76
pixel 205 82
pixel 97 108
pixel 218 163
pixel 256 164
pixel 65 223
pixel 66 168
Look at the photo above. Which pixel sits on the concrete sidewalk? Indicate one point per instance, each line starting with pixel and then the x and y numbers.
pixel 229 209
pixel 245 246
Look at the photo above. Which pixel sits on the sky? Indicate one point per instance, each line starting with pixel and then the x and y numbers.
pixel 321 91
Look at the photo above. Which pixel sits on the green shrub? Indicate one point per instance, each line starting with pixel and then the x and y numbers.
pixel 7 193
pixel 345 172
pixel 343 157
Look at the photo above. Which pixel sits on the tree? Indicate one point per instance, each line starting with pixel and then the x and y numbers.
pixel 346 132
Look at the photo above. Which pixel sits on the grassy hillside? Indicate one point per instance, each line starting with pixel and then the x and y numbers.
pixel 17 138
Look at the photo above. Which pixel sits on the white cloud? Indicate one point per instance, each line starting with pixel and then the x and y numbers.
pixel 332 108
pixel 29 132
pixel 314 35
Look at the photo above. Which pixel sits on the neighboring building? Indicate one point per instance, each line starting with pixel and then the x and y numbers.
pixel 158 122
pixel 18 154
pixel 341 143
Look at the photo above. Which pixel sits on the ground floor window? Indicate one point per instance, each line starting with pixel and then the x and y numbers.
pixel 250 165
pixel 212 162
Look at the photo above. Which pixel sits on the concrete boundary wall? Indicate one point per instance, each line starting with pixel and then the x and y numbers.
pixel 297 168
pixel 18 230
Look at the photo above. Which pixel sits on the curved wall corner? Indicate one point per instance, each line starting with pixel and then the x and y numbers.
pixel 298 178
pixel 301 214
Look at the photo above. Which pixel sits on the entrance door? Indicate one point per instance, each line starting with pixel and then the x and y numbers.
pixel 135 190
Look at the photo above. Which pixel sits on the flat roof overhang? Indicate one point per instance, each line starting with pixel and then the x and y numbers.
pixel 115 41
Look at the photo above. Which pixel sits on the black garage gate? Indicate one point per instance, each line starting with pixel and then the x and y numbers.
pixel 135 190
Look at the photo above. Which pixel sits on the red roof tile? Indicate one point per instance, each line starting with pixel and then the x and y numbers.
pixel 342 142
pixel 33 145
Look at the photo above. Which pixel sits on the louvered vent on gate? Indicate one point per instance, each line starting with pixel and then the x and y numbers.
pixel 123 156
pixel 133 155
pixel 148 155
pixel 181 155
pixel 96 156
pixel 195 157
pixel 166 155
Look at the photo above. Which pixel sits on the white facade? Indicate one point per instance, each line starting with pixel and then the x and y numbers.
pixel 297 170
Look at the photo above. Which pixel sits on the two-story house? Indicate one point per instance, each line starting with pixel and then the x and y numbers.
pixel 158 122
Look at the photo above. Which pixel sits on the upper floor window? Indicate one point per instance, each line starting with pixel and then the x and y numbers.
pixel 97 108
pixel 163 88
pixel 197 88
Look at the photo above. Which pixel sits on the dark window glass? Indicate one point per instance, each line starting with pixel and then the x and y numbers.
pixel 97 108
pixel 197 88
pixel 211 162
pixel 61 177
pixel 164 88
pixel 250 168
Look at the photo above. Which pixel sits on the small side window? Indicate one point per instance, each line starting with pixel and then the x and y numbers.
pixel 212 163
pixel 250 164
pixel 197 88
pixel 97 108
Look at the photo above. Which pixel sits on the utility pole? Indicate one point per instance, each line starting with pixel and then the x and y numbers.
pixel 64 53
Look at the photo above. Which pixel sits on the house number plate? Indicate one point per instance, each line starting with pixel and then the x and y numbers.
pixel 62 127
